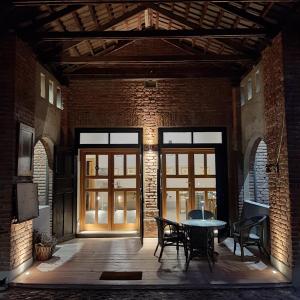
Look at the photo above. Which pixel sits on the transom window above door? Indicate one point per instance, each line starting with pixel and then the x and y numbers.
pixel 128 137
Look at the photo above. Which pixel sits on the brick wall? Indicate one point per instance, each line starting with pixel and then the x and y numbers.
pixel 40 172
pixel 260 175
pixel 280 206
pixel 291 60
pixel 120 103
pixel 7 157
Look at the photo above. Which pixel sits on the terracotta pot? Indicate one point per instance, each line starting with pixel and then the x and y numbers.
pixel 43 252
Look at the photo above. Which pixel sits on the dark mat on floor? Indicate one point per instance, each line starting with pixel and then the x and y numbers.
pixel 121 276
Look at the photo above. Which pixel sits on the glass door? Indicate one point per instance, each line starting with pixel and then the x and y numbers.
pixel 188 180
pixel 110 187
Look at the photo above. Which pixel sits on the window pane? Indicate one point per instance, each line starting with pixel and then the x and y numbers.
pixel 183 164
pixel 171 206
pixel 90 208
pixel 103 165
pixel 171 164
pixel 58 98
pixel 257 81
pixel 211 164
pixel 131 164
pixel 199 199
pixel 93 138
pixel 177 183
pixel 90 161
pixel 119 208
pixel 249 89
pixel 177 137
pixel 242 91
pixel 208 137
pixel 131 207
pixel 183 199
pixel 43 85
pixel 96 184
pixel 51 91
pixel 212 202
pixel 199 164
pixel 124 138
pixel 126 183
pixel 102 198
pixel 119 164
pixel 205 182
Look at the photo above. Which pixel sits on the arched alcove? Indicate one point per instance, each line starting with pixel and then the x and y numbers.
pixel 256 185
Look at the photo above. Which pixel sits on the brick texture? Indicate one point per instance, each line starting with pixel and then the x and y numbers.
pixel 194 102
pixel 280 207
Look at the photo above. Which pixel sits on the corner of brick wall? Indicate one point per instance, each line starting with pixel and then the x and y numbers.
pixel 279 194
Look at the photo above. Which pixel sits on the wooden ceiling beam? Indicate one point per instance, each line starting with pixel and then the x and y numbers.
pixel 129 60
pixel 243 14
pixel 110 24
pixel 37 24
pixel 231 44
pixel 95 2
pixel 153 34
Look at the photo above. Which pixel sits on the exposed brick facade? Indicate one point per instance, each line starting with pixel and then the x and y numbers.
pixel 279 193
pixel 194 102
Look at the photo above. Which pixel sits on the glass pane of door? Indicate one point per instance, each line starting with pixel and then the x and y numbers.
pixel 90 208
pixel 118 164
pixel 199 199
pixel 130 207
pixel 171 207
pixel 102 199
pixel 183 205
pixel 90 165
pixel 183 164
pixel 131 164
pixel 171 164
pixel 119 207
pixel 103 165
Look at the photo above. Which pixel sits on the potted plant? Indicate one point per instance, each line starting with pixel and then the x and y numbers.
pixel 44 246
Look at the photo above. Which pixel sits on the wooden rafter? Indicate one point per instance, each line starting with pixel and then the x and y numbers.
pixel 234 45
pixel 37 24
pixel 111 23
pixel 94 16
pixel 153 34
pixel 94 2
pixel 244 14
pixel 171 59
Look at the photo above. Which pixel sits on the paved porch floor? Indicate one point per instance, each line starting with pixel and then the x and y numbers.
pixel 81 262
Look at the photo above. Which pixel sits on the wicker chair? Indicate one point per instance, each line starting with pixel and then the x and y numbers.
pixel 199 244
pixel 169 234
pixel 243 233
pixel 197 214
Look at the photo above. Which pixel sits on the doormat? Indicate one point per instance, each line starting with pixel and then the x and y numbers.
pixel 121 276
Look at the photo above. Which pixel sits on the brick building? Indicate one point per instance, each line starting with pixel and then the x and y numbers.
pixel 132 102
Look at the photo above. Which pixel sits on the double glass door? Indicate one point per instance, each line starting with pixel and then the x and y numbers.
pixel 188 181
pixel 110 190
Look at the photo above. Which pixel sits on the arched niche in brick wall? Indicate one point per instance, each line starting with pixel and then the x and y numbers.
pixel 256 181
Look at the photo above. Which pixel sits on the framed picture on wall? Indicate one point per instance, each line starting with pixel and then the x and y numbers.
pixel 25 152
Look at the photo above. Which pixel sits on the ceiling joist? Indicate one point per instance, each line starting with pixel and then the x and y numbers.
pixel 152 34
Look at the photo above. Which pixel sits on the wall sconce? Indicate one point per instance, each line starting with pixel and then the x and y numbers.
pixel 148 147
pixel 272 168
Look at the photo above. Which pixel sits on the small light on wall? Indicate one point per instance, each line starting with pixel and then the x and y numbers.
pixel 150 147
pixel 272 168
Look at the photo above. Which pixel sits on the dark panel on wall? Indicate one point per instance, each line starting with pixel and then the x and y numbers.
pixel 63 197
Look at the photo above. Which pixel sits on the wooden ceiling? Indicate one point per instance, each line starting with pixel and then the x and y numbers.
pixel 142 39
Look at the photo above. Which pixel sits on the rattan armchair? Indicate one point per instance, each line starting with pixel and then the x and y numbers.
pixel 169 234
pixel 197 214
pixel 248 232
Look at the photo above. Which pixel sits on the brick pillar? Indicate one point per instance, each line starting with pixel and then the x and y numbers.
pixel 291 63
pixel 276 140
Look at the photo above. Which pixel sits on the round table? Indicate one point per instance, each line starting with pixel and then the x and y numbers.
pixel 212 224
pixel 207 225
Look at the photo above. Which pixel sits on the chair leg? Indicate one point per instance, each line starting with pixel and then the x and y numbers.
pixel 234 248
pixel 156 249
pixel 177 248
pixel 260 251
pixel 188 262
pixel 161 253
pixel 242 251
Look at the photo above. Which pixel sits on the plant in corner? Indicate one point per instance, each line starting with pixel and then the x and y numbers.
pixel 44 246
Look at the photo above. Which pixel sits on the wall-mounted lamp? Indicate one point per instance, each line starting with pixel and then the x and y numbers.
pixel 148 147
pixel 272 168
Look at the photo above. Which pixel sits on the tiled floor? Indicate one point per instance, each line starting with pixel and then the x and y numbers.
pixel 81 261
